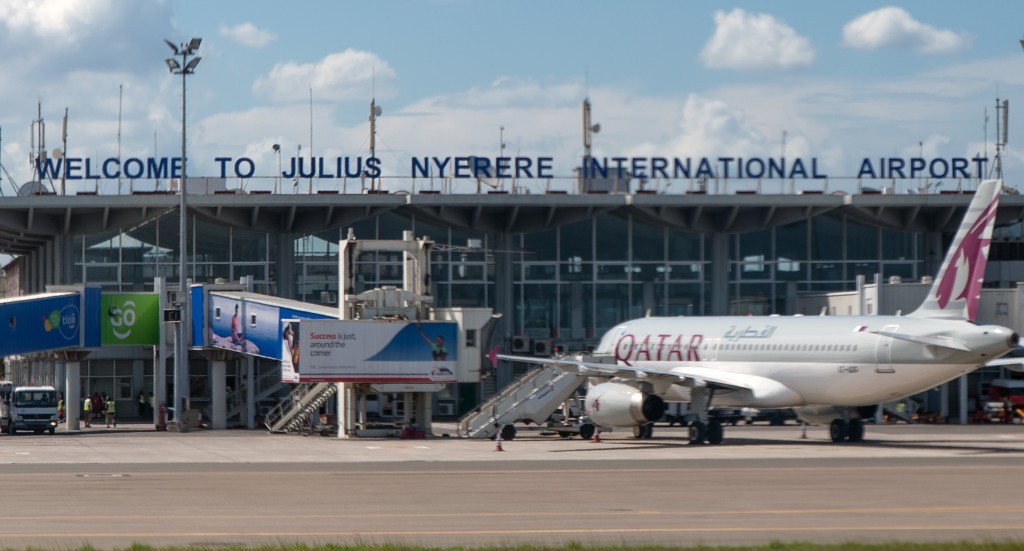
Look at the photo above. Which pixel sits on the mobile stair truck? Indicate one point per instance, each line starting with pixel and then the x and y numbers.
pixel 31 408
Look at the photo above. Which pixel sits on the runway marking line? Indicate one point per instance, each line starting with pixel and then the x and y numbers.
pixel 565 531
pixel 999 508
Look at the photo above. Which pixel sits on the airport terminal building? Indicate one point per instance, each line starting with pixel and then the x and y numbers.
pixel 562 267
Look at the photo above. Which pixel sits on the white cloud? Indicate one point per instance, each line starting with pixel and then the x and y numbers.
pixel 341 76
pixel 248 35
pixel 754 41
pixel 893 27
pixel 64 20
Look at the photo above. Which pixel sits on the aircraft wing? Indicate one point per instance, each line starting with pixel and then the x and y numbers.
pixel 693 375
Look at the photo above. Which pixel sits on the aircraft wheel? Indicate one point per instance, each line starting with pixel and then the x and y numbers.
pixel 638 432
pixel 508 432
pixel 698 433
pixel 855 431
pixel 716 433
pixel 838 430
pixel 587 431
pixel 563 434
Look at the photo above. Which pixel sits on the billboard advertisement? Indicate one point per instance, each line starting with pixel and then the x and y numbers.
pixel 244 326
pixel 130 319
pixel 346 351
pixel 40 324
pixel 248 327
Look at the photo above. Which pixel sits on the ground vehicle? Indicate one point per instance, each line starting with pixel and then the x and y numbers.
pixel 998 392
pixel 1007 388
pixel 28 408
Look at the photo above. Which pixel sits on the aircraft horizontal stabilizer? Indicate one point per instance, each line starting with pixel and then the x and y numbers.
pixel 943 342
pixel 1013 364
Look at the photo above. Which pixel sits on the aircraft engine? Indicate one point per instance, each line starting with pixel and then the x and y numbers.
pixel 622 405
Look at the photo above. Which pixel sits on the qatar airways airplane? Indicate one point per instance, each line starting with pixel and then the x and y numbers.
pixel 825 367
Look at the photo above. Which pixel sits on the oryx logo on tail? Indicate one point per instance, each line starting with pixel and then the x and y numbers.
pixel 957 290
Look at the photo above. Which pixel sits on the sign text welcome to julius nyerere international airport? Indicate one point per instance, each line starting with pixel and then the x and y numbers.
pixel 79 168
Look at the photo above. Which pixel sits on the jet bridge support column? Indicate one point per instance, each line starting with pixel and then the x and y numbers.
pixel 72 385
pixel 72 401
pixel 346 410
pixel 250 392
pixel 218 394
pixel 218 359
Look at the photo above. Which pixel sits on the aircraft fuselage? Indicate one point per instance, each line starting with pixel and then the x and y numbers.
pixel 834 360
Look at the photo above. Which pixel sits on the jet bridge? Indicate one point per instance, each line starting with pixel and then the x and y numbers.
pixel 385 340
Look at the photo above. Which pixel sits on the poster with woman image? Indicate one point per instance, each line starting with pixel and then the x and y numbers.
pixel 289 351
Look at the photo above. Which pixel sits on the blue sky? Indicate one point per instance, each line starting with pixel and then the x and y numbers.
pixel 843 80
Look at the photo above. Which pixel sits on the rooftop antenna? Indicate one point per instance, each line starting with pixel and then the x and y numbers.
pixel 2 162
pixel 57 154
pixel 156 181
pixel 375 111
pixel 985 134
pixel 37 137
pixel 501 152
pixel 120 104
pixel 311 138
pixel 1002 122
pixel 588 131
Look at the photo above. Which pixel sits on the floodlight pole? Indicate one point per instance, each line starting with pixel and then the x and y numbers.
pixel 185 51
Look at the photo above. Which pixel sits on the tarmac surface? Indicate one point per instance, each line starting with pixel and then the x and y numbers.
pixel 110 488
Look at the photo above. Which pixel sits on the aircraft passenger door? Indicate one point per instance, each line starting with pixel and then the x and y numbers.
pixel 713 349
pixel 883 353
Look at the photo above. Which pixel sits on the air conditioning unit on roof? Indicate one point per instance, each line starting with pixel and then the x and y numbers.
pixel 521 344
pixel 542 348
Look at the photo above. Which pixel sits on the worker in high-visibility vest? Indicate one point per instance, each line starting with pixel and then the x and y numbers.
pixel 111 410
pixel 87 405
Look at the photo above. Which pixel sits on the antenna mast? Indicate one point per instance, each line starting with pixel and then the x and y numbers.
pixel 311 161
pixel 501 153
pixel 1002 124
pixel 64 144
pixel 375 112
pixel 120 102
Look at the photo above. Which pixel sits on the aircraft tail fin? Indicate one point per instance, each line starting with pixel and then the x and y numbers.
pixel 957 289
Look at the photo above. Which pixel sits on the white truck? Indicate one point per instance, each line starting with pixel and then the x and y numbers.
pixel 31 408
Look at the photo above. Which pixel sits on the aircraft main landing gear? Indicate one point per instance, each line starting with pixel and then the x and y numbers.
pixel 711 432
pixel 842 430
pixel 645 431
pixel 703 430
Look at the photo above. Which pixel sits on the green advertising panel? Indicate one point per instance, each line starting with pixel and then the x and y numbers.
pixel 129 319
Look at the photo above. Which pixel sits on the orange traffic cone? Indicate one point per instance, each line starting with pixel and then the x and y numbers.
pixel 803 434
pixel 497 443
pixel 597 436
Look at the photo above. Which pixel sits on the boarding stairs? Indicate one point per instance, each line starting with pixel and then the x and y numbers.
pixel 533 397
pixel 294 411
